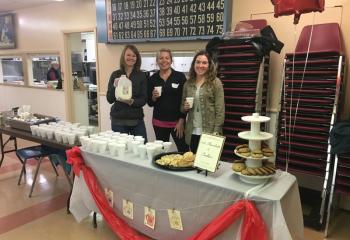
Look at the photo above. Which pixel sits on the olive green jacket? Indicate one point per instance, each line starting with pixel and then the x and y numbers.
pixel 212 107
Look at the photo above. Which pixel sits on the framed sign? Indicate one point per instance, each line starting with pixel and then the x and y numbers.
pixel 209 152
pixel 7 31
pixel 165 20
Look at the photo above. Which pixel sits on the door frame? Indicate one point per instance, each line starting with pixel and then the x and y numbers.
pixel 67 63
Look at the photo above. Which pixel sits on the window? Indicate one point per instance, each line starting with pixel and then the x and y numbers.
pixel 11 70
pixel 40 72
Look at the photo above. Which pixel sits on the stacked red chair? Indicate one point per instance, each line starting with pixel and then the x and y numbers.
pixel 342 181
pixel 310 103
pixel 244 74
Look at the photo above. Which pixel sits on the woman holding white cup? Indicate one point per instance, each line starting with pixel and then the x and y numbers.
pixel 164 94
pixel 202 100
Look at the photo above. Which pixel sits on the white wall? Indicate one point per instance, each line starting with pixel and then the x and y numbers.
pixel 43 101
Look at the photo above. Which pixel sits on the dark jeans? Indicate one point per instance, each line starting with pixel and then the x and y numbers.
pixel 138 130
pixel 194 143
pixel 164 135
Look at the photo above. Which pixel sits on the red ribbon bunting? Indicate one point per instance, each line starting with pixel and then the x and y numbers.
pixel 253 226
pixel 118 225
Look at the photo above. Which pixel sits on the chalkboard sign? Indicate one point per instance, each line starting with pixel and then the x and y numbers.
pixel 161 20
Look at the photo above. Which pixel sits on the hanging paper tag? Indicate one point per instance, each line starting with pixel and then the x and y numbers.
pixel 109 196
pixel 150 217
pixel 128 209
pixel 175 219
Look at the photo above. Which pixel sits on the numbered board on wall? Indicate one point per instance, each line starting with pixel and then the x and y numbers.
pixel 166 20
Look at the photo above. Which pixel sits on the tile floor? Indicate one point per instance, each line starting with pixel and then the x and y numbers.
pixel 44 216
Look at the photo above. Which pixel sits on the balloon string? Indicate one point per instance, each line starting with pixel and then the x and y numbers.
pixel 304 70
pixel 291 103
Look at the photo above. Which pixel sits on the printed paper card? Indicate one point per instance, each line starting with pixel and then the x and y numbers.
pixel 175 219
pixel 109 196
pixel 128 209
pixel 150 217
pixel 209 152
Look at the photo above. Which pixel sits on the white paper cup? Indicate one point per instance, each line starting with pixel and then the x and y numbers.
pixel 135 145
pixel 158 142
pixel 71 138
pixel 34 129
pixel 102 147
pixel 167 146
pixel 121 149
pixel 151 150
pixel 94 145
pixel 64 138
pixel 190 101
pixel 142 151
pixel 58 136
pixel 83 141
pixel 91 129
pixel 42 132
pixel 159 148
pixel 128 144
pixel 50 133
pixel 159 90
pixel 93 135
pixel 112 146
pixel 89 144
pixel 140 138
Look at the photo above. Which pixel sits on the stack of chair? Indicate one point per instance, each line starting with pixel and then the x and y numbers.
pixel 310 103
pixel 244 74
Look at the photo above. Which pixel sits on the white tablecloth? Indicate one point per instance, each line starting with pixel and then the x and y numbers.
pixel 199 198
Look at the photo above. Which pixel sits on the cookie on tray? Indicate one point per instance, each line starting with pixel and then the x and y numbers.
pixel 238 166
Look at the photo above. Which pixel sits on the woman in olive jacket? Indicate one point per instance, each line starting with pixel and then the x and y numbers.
pixel 208 112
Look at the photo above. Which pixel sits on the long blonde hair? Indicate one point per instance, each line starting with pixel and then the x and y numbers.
pixel 210 75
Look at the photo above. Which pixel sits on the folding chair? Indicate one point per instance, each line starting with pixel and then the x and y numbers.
pixel 36 152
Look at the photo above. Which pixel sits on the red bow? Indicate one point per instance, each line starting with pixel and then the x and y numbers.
pixel 74 158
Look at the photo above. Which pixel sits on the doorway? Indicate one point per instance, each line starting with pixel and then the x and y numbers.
pixel 81 69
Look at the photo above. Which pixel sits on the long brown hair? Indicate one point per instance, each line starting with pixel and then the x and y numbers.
pixel 137 65
pixel 210 75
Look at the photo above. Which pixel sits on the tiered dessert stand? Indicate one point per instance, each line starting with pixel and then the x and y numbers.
pixel 255 137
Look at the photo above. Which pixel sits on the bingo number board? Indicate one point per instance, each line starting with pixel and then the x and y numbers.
pixel 165 20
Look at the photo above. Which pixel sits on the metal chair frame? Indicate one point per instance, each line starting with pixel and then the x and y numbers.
pixel 39 158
